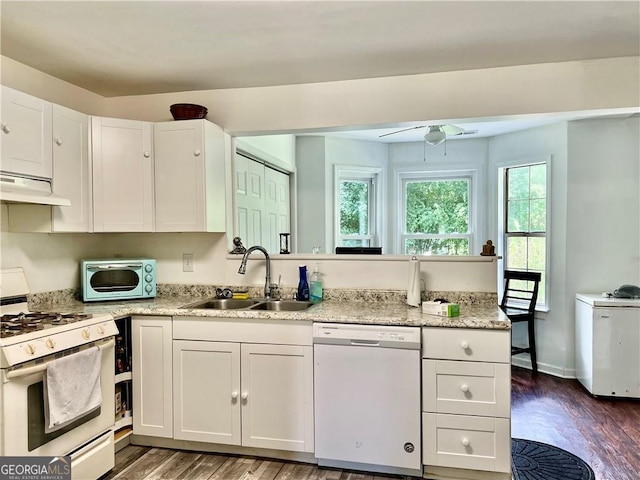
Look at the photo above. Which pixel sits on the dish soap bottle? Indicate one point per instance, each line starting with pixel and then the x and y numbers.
pixel 315 286
pixel 303 285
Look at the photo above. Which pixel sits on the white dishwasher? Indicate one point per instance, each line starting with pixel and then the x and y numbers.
pixel 367 397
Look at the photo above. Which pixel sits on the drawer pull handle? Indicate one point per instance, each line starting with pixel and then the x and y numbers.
pixel 464 345
pixel 464 388
pixel 466 442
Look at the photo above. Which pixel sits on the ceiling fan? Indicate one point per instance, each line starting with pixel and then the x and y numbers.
pixel 436 134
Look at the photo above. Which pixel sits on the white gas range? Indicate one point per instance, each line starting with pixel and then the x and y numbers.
pixel 31 343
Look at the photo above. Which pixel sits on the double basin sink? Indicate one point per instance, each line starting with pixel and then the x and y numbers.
pixel 249 304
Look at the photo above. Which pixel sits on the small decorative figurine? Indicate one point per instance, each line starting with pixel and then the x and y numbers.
pixel 239 248
pixel 488 250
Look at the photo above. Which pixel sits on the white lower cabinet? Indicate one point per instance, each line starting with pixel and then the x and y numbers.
pixel 248 394
pixel 466 400
pixel 152 378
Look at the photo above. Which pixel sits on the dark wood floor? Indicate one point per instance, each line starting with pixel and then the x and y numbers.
pixel 603 432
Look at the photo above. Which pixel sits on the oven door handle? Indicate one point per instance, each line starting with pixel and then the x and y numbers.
pixel 115 266
pixel 22 372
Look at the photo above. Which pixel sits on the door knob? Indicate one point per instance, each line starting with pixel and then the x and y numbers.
pixel 234 395
pixel 59 141
pixel 244 395
pixel 5 128
pixel 464 388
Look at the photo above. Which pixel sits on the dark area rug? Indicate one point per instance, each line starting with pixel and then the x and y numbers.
pixel 538 461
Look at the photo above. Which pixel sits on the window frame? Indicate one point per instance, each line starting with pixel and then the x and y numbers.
pixel 374 177
pixel 432 176
pixel 542 304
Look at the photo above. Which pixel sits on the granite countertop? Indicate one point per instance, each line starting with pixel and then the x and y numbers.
pixel 338 311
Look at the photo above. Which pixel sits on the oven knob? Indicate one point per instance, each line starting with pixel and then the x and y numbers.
pixel 86 333
pixel 148 278
pixel 30 349
pixel 148 288
pixel 101 329
pixel 148 268
pixel 50 344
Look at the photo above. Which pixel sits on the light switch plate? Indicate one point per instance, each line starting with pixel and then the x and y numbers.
pixel 187 262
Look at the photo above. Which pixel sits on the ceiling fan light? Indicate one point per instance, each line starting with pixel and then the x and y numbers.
pixel 435 136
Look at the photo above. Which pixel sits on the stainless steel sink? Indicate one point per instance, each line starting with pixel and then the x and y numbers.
pixel 222 304
pixel 282 305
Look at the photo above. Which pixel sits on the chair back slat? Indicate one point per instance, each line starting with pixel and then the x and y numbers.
pixel 527 294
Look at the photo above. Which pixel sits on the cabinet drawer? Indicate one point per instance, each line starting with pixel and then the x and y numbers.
pixel 467 344
pixel 459 441
pixel 469 388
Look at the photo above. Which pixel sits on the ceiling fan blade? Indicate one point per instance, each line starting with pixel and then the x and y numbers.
pixel 452 129
pixel 403 130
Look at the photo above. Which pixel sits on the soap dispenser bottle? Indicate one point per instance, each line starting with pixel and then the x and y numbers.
pixel 303 284
pixel 315 286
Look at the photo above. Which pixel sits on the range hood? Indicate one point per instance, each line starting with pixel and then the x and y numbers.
pixel 17 189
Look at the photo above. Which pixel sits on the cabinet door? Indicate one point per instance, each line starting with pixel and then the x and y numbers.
pixel 152 376
pixel 122 160
pixel 179 176
pixel 26 134
pixel 71 170
pixel 277 397
pixel 206 391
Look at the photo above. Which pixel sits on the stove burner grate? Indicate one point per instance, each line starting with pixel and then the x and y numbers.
pixel 16 324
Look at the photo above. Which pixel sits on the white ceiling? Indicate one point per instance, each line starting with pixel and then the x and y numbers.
pixel 117 48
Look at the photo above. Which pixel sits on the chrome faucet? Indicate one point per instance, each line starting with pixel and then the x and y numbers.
pixel 268 286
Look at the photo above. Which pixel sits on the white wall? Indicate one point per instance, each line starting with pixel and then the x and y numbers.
pixel 278 150
pixel 554 334
pixel 468 155
pixel 311 203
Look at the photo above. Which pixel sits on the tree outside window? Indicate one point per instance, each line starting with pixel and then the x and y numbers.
pixel 526 221
pixel 355 198
pixel 436 217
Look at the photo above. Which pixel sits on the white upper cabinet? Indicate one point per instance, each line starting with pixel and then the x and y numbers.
pixel 26 134
pixel 189 177
pixel 71 170
pixel 122 160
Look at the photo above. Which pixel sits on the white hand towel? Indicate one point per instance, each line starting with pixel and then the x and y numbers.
pixel 72 388
pixel 413 287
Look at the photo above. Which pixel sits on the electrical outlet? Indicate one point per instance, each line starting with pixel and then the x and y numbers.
pixel 187 262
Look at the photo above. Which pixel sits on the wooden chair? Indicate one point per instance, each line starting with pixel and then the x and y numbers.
pixel 519 303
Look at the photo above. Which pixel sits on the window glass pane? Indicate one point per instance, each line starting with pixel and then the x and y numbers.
pixel 354 207
pixel 538 181
pixel 538 214
pixel 437 246
pixel 437 207
pixel 518 216
pixel 518 183
pixel 536 258
pixel 516 253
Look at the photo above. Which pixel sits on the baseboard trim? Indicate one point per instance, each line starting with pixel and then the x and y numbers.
pixel 524 361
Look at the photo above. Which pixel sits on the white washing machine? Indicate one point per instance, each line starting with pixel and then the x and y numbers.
pixel 608 345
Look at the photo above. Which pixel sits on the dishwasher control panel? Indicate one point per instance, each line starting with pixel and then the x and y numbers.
pixel 367 335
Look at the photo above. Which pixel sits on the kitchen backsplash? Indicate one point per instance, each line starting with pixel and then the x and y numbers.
pixel 70 295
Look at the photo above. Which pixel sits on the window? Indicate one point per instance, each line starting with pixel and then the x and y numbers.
pixel 358 199
pixel 436 216
pixel 526 221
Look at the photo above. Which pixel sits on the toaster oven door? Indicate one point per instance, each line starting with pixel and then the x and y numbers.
pixel 110 281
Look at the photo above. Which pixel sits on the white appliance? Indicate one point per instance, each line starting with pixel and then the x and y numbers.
pixel 608 345
pixel 29 341
pixel 367 397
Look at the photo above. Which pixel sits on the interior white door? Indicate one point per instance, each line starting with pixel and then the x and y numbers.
pixel 249 183
pixel 277 211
